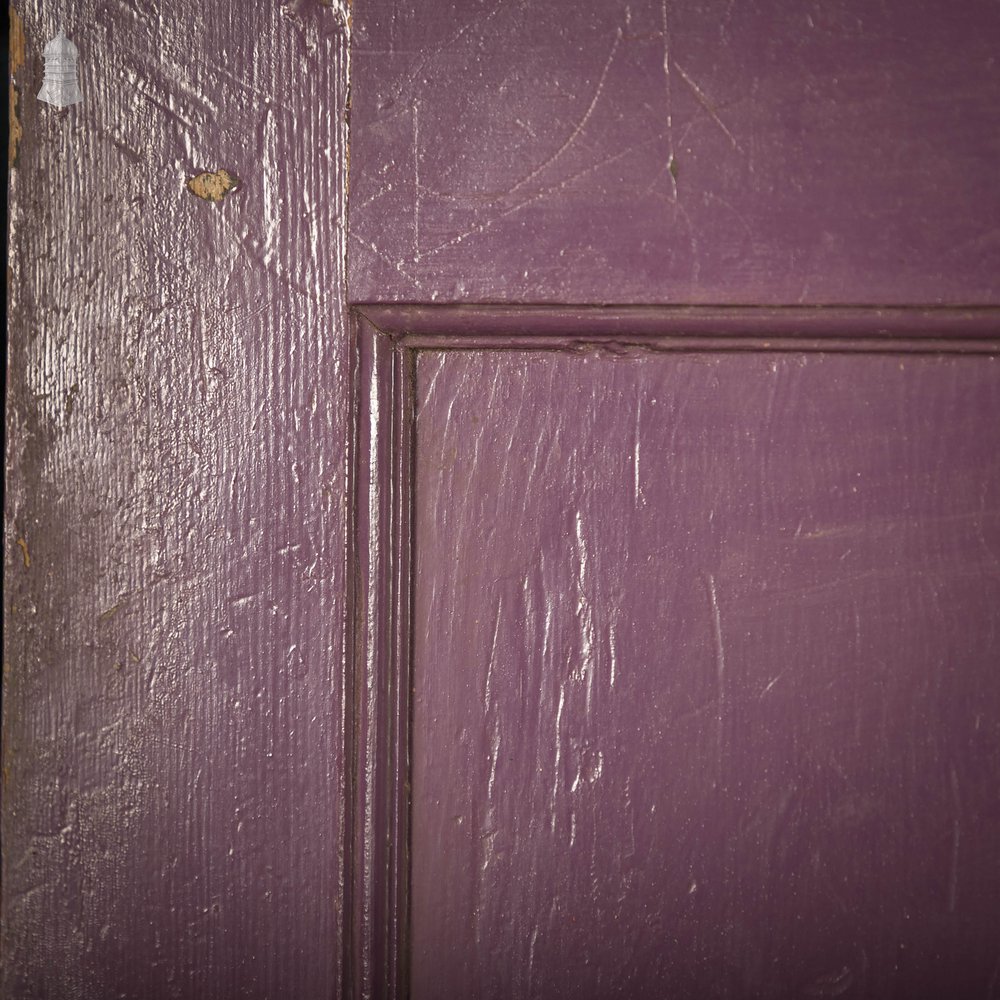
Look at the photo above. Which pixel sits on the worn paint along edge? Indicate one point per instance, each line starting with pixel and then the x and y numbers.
pixel 17 60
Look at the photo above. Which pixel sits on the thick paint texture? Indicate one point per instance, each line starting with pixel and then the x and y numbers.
pixel 705 679
pixel 702 642
pixel 656 151
pixel 176 507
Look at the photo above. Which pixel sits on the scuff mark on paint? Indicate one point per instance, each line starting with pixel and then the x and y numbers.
pixel 709 107
pixel 833 984
pixel 580 125
pixel 639 498
pixel 17 57
pixel 585 614
pixel 956 839
pixel 720 664
pixel 22 544
pixel 211 186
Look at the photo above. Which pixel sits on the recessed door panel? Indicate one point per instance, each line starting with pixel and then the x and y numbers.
pixel 706 675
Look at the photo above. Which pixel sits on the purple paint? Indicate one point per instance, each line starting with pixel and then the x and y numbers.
pixel 178 398
pixel 705 687
pixel 207 674
pixel 709 152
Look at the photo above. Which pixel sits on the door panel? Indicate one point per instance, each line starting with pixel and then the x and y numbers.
pixel 705 688
pixel 676 652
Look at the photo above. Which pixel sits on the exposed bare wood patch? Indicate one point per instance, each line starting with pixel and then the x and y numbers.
pixel 17 50
pixel 211 186
pixel 17 46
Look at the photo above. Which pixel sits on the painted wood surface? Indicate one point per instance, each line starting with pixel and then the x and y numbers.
pixel 176 506
pixel 178 816
pixel 705 679
pixel 655 151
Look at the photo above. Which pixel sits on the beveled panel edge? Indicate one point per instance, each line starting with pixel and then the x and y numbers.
pixel 736 327
pixel 384 340
pixel 380 592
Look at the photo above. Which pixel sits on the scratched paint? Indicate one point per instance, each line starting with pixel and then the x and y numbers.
pixel 653 151
pixel 172 768
pixel 177 421
pixel 748 720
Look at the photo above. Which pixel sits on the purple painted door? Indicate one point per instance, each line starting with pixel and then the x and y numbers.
pixel 578 575
pixel 678 661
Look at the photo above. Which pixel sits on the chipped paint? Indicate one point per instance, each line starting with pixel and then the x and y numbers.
pixel 212 185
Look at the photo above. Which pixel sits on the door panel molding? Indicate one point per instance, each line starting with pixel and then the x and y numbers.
pixel 385 341
pixel 377 710
pixel 750 326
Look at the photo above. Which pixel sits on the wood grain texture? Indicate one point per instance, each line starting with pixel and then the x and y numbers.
pixel 705 675
pixel 176 509
pixel 652 151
